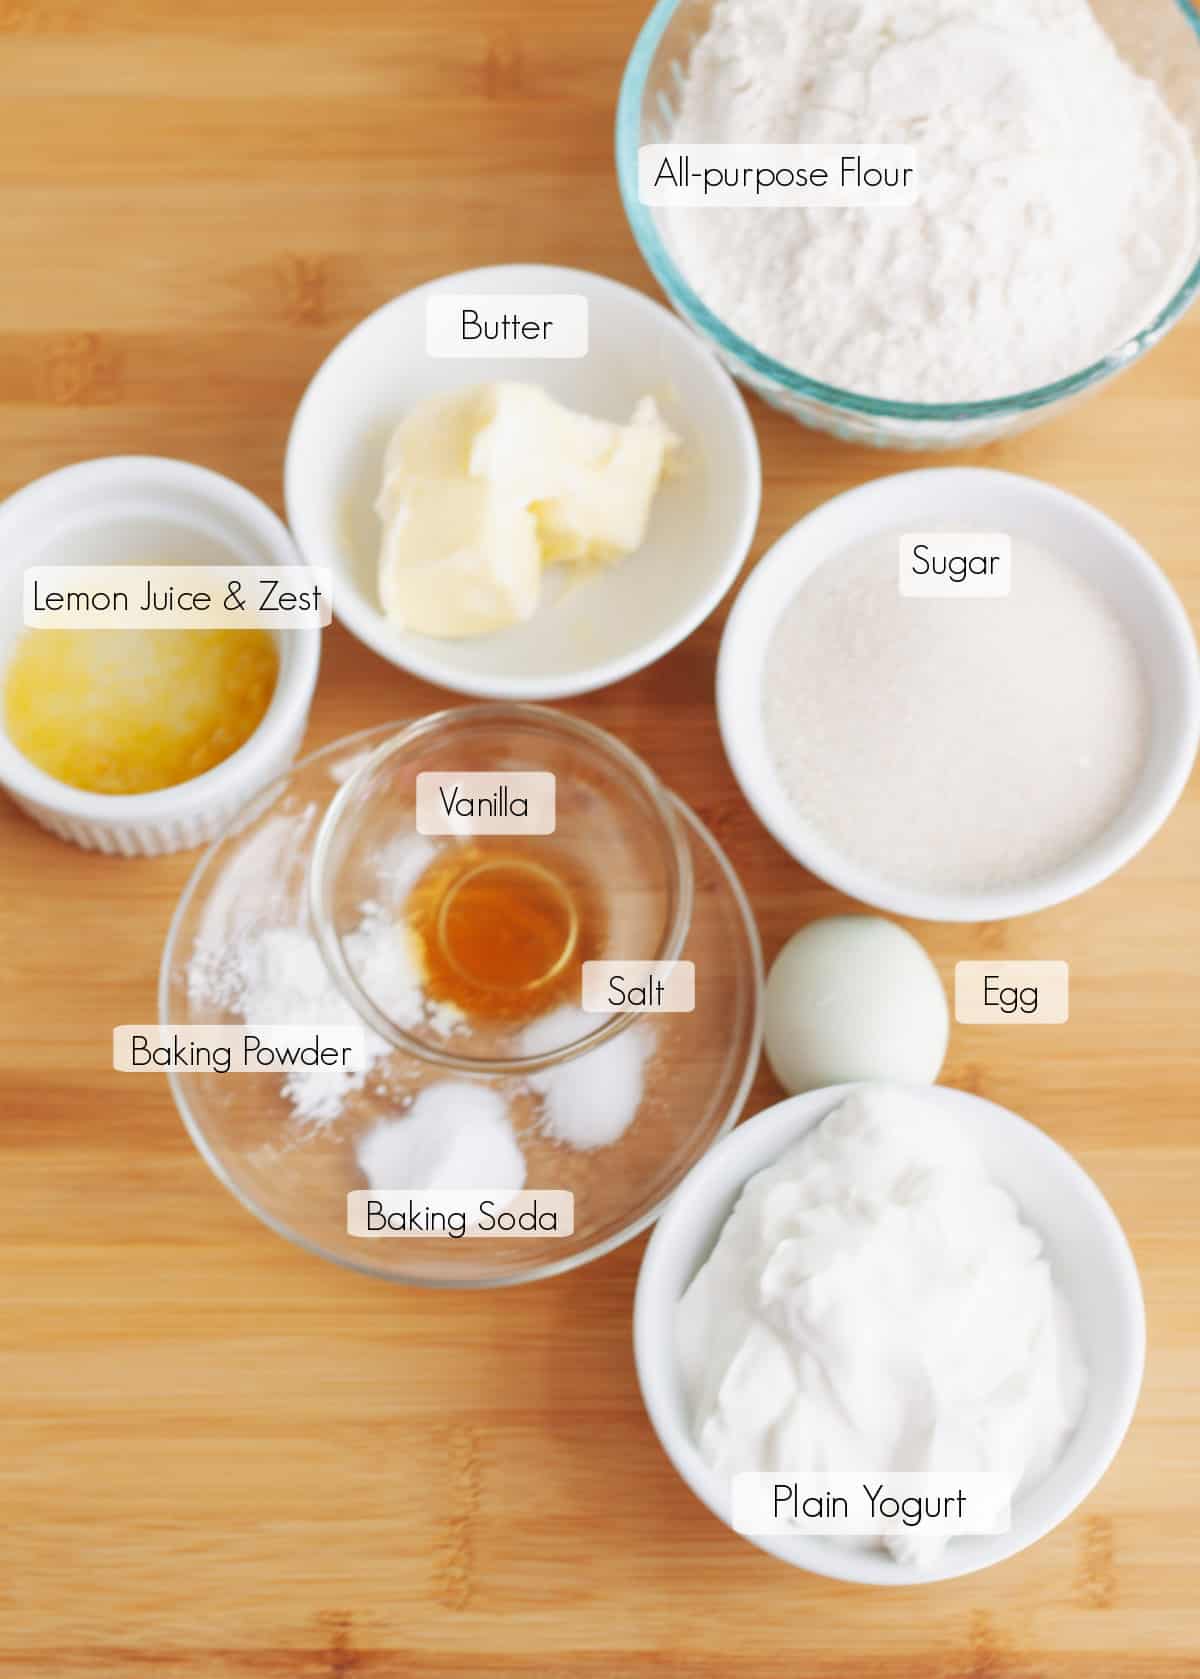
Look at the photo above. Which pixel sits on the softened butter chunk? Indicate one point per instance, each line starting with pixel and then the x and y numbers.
pixel 602 510
pixel 483 487
pixel 458 559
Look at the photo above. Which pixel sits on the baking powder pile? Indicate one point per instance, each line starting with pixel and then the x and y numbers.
pixel 1059 204
pixel 276 975
pixel 954 744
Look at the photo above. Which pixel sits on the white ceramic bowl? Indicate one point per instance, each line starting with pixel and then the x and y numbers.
pixel 143 510
pixel 966 499
pixel 580 638
pixel 1090 1259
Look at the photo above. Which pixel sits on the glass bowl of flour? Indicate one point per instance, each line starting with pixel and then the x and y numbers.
pixel 612 1109
pixel 1055 236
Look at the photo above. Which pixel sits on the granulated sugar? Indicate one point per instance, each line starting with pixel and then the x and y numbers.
pixel 954 744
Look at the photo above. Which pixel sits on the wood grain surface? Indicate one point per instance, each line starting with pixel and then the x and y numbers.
pixel 220 1456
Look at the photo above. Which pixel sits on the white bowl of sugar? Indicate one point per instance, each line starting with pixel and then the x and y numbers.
pixel 965 756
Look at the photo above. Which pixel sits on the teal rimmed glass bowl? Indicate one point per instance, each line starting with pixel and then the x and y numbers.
pixel 1169 55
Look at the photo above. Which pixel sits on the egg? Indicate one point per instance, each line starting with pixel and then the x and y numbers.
pixel 854 997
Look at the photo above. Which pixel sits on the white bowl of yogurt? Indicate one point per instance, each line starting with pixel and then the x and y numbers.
pixel 1098 1305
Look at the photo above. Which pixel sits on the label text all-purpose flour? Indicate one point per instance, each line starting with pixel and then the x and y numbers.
pixel 1058 207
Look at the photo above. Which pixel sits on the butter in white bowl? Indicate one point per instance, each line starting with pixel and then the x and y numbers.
pixel 595 623
pixel 484 487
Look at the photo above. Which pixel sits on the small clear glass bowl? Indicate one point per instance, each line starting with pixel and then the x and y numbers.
pixel 1167 53
pixel 616 838
pixel 295 1175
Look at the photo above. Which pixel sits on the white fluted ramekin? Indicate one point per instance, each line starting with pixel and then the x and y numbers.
pixel 151 511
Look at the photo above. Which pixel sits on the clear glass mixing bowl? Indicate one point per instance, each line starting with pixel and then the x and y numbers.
pixel 260 879
pixel 1161 39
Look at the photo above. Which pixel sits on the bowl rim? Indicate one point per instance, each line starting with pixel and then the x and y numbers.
pixel 121 476
pixel 366 621
pixel 691 306
pixel 724 1169
pixel 739 687
pixel 347 747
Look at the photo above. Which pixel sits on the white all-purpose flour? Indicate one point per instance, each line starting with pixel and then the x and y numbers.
pixel 1058 206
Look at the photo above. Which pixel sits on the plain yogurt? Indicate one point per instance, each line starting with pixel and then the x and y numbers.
pixel 875 1304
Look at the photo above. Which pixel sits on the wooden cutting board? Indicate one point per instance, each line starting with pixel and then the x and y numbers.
pixel 223 1457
